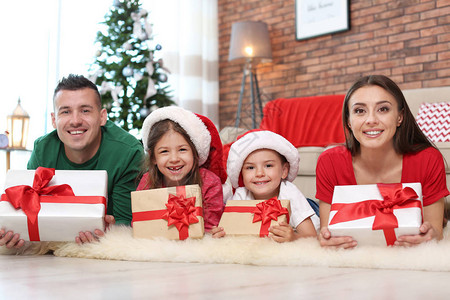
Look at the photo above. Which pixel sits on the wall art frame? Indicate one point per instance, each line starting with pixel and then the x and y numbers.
pixel 315 18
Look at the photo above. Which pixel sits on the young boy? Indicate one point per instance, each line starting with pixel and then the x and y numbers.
pixel 262 165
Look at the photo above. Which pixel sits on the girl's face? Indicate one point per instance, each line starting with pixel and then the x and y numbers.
pixel 374 117
pixel 174 158
pixel 262 173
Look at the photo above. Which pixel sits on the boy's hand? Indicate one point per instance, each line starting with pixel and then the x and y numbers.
pixel 282 232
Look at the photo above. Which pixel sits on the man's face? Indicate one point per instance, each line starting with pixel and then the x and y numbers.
pixel 77 119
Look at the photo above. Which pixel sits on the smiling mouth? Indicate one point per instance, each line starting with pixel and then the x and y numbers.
pixel 175 169
pixel 373 132
pixel 260 182
pixel 76 132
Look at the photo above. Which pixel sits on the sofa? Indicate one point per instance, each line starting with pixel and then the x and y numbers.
pixel 314 124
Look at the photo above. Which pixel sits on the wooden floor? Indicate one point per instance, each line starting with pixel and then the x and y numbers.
pixel 49 277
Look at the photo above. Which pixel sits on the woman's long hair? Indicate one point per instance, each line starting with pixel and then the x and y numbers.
pixel 155 177
pixel 408 137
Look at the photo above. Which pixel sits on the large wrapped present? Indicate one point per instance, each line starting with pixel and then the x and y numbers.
pixel 376 214
pixel 254 217
pixel 175 213
pixel 49 205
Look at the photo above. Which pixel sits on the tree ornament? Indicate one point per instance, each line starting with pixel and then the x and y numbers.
pixel 127 72
pixel 127 46
pixel 158 47
pixel 138 76
pixel 144 112
pixel 162 77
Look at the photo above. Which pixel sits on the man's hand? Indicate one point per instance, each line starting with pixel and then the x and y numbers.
pixel 10 240
pixel 89 237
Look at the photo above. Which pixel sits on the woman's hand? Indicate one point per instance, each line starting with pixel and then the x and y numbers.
pixel 326 240
pixel 427 233
pixel 431 228
pixel 217 232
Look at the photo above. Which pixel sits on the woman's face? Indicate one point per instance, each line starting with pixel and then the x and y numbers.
pixel 373 117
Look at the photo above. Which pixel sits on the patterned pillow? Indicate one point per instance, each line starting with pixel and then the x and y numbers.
pixel 434 120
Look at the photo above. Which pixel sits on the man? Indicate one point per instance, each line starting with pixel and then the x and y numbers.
pixel 85 140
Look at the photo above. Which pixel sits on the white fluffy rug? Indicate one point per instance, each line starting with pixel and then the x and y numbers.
pixel 118 244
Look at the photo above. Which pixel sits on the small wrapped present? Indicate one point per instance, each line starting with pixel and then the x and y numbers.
pixel 254 217
pixel 49 205
pixel 376 214
pixel 175 213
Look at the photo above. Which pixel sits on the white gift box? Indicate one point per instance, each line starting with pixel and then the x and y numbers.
pixel 60 221
pixel 409 217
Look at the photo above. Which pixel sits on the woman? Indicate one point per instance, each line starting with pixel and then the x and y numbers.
pixel 383 145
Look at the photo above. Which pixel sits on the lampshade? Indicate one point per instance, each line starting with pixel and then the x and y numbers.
pixel 18 127
pixel 250 39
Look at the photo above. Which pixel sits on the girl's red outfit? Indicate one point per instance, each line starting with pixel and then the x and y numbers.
pixel 334 167
pixel 212 195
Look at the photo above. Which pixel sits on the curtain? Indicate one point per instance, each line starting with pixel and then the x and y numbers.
pixel 188 33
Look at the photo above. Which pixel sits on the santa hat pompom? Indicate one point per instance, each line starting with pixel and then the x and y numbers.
pixel 255 140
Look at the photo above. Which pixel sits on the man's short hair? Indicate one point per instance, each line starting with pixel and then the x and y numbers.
pixel 76 82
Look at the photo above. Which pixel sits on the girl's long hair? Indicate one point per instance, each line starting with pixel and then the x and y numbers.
pixel 155 177
pixel 408 138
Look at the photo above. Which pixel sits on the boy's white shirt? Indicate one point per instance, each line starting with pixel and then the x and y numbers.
pixel 300 208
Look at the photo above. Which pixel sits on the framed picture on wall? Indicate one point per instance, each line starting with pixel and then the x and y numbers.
pixel 320 17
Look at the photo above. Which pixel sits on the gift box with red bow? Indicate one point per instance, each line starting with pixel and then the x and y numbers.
pixel 254 217
pixel 376 214
pixel 49 205
pixel 174 213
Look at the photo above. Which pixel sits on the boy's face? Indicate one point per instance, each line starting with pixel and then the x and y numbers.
pixel 262 173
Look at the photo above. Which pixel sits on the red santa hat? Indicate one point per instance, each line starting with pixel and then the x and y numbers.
pixel 255 140
pixel 201 130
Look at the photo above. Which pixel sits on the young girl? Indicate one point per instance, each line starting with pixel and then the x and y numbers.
pixel 185 148
pixel 262 165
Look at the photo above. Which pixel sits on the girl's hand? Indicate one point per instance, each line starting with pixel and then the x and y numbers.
pixel 326 240
pixel 217 232
pixel 282 233
pixel 427 233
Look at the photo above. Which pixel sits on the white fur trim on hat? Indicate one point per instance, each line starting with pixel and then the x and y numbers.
pixel 256 140
pixel 195 128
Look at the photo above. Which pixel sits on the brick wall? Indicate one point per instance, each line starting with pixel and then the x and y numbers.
pixel 407 40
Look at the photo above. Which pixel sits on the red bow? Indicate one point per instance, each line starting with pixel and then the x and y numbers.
pixel 28 198
pixel 267 211
pixel 394 196
pixel 181 212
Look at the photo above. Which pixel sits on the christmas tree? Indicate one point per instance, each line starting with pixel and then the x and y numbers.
pixel 132 81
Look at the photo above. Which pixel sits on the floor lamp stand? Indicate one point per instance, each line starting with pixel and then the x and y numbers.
pixel 255 96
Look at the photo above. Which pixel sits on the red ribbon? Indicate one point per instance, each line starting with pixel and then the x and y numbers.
pixel 264 212
pixel 181 212
pixel 29 198
pixel 394 197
